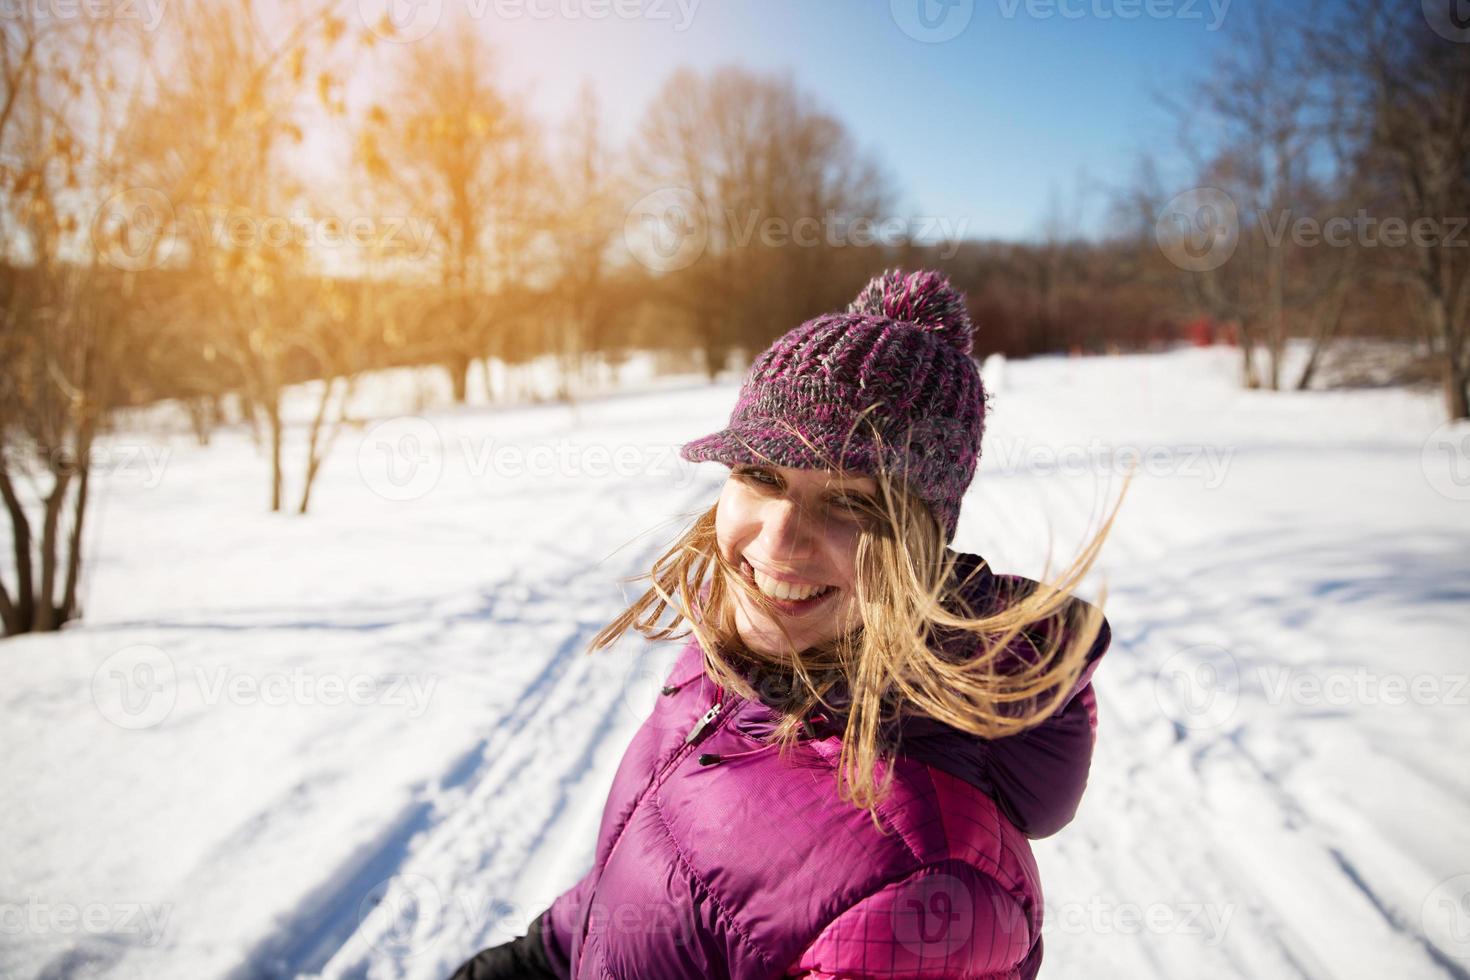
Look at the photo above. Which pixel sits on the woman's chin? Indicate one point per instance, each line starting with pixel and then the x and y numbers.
pixel 764 637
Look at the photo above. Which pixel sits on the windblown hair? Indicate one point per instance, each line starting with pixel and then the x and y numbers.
pixel 920 648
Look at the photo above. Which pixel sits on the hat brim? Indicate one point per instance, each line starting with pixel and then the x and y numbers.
pixel 776 446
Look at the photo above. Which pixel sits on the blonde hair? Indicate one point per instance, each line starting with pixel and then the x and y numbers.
pixel 907 592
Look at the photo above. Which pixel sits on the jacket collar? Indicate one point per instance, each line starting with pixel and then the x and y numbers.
pixel 1033 776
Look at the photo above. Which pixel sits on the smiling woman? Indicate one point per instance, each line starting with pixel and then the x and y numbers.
pixel 832 623
pixel 793 534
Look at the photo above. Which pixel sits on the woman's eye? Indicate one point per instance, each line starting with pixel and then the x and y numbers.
pixel 759 476
pixel 853 507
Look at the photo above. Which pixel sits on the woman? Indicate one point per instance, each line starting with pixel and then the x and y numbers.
pixel 865 725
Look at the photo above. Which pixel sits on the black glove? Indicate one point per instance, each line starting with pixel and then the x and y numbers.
pixel 520 959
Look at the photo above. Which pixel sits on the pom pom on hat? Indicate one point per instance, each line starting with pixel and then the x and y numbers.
pixel 924 299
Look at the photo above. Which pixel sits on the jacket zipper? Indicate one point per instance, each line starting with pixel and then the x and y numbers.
pixel 703 722
pixel 700 730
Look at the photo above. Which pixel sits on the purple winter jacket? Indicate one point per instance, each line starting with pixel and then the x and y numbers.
pixel 716 858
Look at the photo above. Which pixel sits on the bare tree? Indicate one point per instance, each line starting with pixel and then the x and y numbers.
pixel 1252 128
pixel 585 213
pixel 65 344
pixel 451 146
pixel 755 155
pixel 210 143
pixel 1402 101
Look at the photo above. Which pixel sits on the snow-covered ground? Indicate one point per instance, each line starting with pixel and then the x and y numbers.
pixel 367 742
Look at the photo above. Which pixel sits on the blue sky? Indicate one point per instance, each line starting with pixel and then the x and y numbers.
pixel 1026 102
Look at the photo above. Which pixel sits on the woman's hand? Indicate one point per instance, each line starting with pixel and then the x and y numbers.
pixel 520 959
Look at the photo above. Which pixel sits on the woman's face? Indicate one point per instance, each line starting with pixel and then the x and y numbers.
pixel 792 534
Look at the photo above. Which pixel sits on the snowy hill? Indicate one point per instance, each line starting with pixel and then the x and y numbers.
pixel 357 744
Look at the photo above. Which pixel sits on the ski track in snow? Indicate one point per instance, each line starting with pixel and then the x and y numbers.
pixel 1227 831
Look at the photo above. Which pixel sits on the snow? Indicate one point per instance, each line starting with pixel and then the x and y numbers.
pixel 368 742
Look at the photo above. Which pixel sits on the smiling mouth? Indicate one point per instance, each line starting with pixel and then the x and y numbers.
pixel 782 595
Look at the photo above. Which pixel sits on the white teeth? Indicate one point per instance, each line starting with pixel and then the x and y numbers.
pixel 783 590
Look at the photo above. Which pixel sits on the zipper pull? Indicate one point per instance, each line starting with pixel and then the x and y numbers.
pixel 703 721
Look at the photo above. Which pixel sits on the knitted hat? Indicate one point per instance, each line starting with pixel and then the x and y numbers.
pixel 898 357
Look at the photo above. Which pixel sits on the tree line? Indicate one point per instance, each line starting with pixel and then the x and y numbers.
pixel 170 233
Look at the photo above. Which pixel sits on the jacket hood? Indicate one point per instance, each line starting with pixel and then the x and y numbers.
pixel 1036 777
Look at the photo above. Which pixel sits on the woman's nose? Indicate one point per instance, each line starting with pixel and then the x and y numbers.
pixel 786 531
